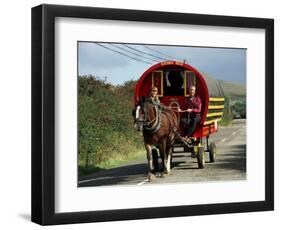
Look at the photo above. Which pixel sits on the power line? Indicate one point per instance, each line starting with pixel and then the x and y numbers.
pixel 144 52
pixel 134 53
pixel 122 53
pixel 159 52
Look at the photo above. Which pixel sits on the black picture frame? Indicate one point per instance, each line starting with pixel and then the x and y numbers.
pixel 43 114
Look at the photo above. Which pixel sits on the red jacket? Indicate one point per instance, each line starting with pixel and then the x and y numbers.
pixel 195 104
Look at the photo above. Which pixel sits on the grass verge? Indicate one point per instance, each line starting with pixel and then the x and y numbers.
pixel 113 162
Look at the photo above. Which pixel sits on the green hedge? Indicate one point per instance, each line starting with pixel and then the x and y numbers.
pixel 105 122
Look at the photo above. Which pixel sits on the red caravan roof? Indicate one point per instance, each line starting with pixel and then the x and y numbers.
pixel 203 86
pixel 167 63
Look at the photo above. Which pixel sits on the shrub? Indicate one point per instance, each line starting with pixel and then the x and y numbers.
pixel 105 122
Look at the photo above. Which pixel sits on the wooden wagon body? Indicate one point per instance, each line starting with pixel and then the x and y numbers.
pixel 158 75
pixel 173 80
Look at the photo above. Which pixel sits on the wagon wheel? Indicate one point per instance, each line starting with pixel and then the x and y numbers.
pixel 155 159
pixel 201 157
pixel 212 152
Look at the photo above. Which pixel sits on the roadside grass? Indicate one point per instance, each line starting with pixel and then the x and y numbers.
pixel 115 161
pixel 120 160
pixel 225 122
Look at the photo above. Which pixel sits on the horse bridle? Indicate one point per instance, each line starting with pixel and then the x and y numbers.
pixel 153 125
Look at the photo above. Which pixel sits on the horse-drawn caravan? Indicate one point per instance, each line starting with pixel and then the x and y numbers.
pixel 164 125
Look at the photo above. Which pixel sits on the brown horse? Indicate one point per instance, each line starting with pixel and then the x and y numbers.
pixel 158 126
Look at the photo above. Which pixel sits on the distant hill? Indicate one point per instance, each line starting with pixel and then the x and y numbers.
pixel 224 88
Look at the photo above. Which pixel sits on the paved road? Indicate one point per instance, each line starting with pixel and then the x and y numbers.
pixel 230 164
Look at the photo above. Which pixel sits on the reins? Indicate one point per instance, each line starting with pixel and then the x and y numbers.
pixel 175 109
pixel 149 122
pixel 154 125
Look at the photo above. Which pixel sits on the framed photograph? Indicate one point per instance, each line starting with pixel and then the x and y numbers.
pixel 145 114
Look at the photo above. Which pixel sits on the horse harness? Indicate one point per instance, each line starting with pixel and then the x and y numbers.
pixel 156 122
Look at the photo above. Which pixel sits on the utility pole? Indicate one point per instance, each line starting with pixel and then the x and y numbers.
pixel 229 101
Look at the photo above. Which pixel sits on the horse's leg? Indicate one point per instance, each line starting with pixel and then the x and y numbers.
pixel 151 170
pixel 164 156
pixel 169 155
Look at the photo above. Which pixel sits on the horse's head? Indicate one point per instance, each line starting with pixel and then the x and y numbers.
pixel 139 118
pixel 143 113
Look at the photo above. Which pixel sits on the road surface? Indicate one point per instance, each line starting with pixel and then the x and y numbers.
pixel 230 164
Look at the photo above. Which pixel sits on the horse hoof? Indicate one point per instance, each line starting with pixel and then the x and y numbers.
pixel 151 177
pixel 158 174
pixel 162 175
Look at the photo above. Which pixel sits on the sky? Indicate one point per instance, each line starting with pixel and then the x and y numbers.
pixel 111 61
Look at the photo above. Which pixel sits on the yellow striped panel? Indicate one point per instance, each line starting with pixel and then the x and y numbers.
pixel 214 114
pixel 215 106
pixel 216 99
pixel 211 122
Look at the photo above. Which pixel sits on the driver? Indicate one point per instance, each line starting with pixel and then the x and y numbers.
pixel 154 99
pixel 194 106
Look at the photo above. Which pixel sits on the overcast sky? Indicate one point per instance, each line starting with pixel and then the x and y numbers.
pixel 111 60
